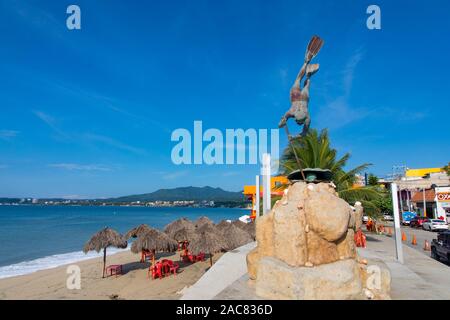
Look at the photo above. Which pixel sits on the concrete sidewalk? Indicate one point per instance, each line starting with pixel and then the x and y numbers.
pixel 229 268
pixel 420 277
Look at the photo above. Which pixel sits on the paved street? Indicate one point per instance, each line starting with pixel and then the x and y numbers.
pixel 421 236
pixel 419 278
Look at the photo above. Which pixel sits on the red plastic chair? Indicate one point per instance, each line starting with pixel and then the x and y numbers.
pixel 173 267
pixel 157 270
pixel 166 263
pixel 146 255
pixel 200 257
pixel 114 269
pixel 189 258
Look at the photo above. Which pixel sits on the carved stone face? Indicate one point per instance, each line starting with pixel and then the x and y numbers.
pixel 312 69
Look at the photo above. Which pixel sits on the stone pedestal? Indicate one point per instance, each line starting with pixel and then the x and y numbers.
pixel 306 248
pixel 338 280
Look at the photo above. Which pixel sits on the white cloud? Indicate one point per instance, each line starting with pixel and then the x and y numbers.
pixel 50 121
pixel 8 134
pixel 113 143
pixel 230 174
pixel 349 71
pixel 339 112
pixel 175 175
pixel 80 167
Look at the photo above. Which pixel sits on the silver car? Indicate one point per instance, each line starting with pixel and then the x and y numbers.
pixel 434 225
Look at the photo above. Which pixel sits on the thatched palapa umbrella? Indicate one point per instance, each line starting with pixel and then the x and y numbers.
pixel 222 224
pixel 235 237
pixel 103 239
pixel 202 221
pixel 208 242
pixel 179 224
pixel 250 227
pixel 239 224
pixel 154 240
pixel 185 235
pixel 137 231
pixel 206 227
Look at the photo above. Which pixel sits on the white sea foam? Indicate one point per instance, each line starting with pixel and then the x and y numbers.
pixel 49 262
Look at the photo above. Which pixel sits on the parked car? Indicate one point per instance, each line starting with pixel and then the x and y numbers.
pixel 416 222
pixel 388 217
pixel 434 225
pixel 407 216
pixel 440 247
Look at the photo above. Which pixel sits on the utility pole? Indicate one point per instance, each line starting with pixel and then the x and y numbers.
pixel 401 199
pixel 398 237
pixel 257 197
pixel 265 172
pixel 424 204
pixel 408 199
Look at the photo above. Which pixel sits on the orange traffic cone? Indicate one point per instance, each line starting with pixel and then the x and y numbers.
pixel 426 246
pixel 414 240
pixel 403 236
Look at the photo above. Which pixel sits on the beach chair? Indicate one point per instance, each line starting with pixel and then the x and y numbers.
pixel 157 270
pixel 146 255
pixel 173 267
pixel 114 269
pixel 188 257
pixel 200 257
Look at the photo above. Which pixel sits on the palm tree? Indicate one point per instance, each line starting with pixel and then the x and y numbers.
pixel 314 151
pixel 447 168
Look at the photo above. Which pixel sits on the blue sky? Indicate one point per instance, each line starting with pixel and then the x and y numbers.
pixel 89 113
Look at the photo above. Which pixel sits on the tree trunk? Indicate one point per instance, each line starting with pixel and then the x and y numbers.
pixel 104 261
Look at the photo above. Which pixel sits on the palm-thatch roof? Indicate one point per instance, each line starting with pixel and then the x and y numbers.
pixel 239 224
pixel 137 231
pixel 250 228
pixel 106 237
pixel 222 224
pixel 179 224
pixel 235 237
pixel 185 234
pixel 154 240
pixel 206 227
pixel 208 242
pixel 202 221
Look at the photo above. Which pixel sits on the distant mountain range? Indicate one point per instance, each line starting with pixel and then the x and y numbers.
pixel 183 193
pixel 177 194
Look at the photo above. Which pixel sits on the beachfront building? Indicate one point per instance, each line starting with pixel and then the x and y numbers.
pixel 436 202
pixel 418 189
pixel 413 183
pixel 277 185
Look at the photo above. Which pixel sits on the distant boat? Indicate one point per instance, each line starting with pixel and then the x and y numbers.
pixel 245 218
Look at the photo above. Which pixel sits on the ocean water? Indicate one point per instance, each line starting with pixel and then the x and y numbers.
pixel 40 237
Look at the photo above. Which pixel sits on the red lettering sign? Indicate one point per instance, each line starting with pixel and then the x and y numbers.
pixel 443 196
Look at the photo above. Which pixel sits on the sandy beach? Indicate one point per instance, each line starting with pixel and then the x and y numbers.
pixel 133 284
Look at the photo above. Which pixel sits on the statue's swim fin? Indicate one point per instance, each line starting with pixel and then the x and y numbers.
pixel 314 46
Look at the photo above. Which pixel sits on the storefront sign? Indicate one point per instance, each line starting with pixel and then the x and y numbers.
pixel 443 196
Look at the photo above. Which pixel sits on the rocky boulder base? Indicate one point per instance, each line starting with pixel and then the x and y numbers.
pixel 306 249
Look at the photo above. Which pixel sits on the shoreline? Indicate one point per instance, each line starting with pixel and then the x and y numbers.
pixel 51 262
pixel 51 284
